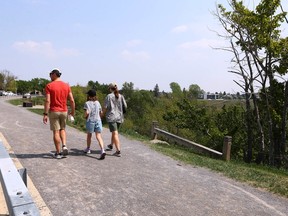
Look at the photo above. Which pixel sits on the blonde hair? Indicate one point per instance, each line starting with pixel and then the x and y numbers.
pixel 114 88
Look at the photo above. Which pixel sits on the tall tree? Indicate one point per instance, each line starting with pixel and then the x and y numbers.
pixel 156 91
pixel 176 90
pixel 194 91
pixel 23 86
pixel 7 81
pixel 127 90
pixel 260 55
pixel 38 84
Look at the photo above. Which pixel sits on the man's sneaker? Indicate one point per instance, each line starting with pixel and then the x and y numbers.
pixel 109 147
pixel 57 155
pixel 102 156
pixel 87 151
pixel 65 150
pixel 117 154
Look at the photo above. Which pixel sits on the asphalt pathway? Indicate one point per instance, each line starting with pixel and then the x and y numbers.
pixel 141 182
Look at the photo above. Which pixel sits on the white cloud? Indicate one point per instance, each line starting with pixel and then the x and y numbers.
pixel 135 56
pixel 43 48
pixel 203 44
pixel 133 43
pixel 180 29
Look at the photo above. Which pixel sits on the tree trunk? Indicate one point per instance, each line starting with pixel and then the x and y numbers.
pixel 248 157
pixel 260 155
pixel 284 120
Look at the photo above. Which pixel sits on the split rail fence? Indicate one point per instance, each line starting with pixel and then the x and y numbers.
pixel 226 150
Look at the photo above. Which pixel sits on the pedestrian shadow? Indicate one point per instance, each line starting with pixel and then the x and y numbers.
pixel 48 155
pixel 95 154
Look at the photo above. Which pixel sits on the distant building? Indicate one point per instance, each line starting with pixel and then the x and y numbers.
pixel 209 96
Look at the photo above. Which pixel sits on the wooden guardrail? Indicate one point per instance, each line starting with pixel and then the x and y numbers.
pixel 18 199
pixel 197 147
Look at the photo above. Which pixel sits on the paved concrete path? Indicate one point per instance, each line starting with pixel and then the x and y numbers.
pixel 141 182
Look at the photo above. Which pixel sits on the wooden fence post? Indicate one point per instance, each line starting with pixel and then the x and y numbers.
pixel 153 133
pixel 227 148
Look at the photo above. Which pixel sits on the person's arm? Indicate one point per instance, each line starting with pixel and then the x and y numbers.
pixel 86 114
pixel 46 108
pixel 86 111
pixel 102 112
pixel 104 108
pixel 72 104
pixel 124 101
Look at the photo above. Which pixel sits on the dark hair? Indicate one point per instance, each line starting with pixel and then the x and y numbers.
pixel 56 71
pixel 91 93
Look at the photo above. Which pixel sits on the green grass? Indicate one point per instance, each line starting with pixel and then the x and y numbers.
pixel 264 177
pixel 267 178
pixel 16 102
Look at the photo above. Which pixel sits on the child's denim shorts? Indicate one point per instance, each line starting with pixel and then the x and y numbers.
pixel 94 126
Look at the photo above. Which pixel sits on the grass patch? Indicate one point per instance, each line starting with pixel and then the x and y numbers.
pixel 16 102
pixel 267 178
pixel 38 100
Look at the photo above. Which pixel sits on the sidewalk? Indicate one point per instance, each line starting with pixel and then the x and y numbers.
pixel 141 182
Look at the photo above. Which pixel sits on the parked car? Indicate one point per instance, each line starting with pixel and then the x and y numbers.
pixel 4 93
pixel 27 95
pixel 10 93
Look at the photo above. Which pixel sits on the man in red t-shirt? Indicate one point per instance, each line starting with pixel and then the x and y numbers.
pixel 55 107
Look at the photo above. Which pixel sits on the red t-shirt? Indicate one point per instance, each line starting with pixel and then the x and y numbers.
pixel 59 92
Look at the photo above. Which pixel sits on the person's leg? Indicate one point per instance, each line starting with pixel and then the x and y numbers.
pixel 63 141
pixel 88 143
pixel 115 138
pixel 113 126
pixel 98 130
pixel 110 146
pixel 101 144
pixel 89 131
pixel 100 140
pixel 88 140
pixel 57 141
pixel 63 136
pixel 62 122
pixel 55 127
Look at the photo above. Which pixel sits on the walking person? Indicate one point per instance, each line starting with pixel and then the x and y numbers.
pixel 55 108
pixel 113 108
pixel 92 114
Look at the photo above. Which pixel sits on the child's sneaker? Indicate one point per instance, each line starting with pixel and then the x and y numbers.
pixel 117 154
pixel 65 150
pixel 109 147
pixel 87 151
pixel 57 155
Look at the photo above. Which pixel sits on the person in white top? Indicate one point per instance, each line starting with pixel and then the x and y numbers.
pixel 92 114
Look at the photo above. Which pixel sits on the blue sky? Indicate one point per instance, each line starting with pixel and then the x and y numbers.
pixel 146 42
